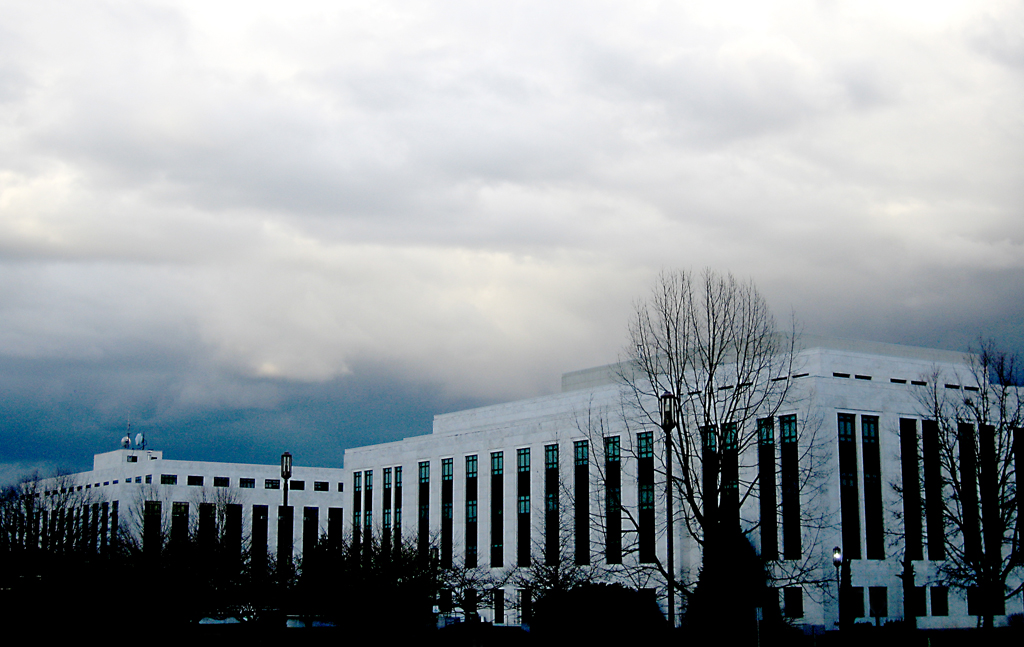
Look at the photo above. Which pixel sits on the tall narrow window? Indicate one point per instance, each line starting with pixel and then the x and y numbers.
pixel 933 490
pixel 766 488
pixel 472 469
pixel 357 511
pixel 551 511
pixel 849 493
pixel 873 524
pixel 581 493
pixel 368 510
pixel 613 501
pixel 709 478
pixel 385 539
pixel 398 505
pixel 790 473
pixel 969 491
pixel 523 506
pixel 424 501
pixel 911 489
pixel 730 513
pixel 447 512
pixel 497 508
pixel 645 495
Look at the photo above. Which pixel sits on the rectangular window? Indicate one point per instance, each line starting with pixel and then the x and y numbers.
pixel 523 460
pixel 424 472
pixel 551 520
pixel 551 457
pixel 447 510
pixel 849 491
pixel 878 599
pixel 581 453
pixel 296 485
pixel 523 504
pixel 447 469
pixel 387 478
pixel 149 479
pixel 357 482
pixel 247 484
pixel 645 496
pixel 221 481
pixel 424 503
pixel 196 480
pixel 793 601
pixel 497 509
pixel 911 491
pixel 168 479
pixel 398 477
pixel 645 444
pixel 613 501
pixel 272 484
pixel 497 463
pixel 581 495
pixel 472 466
pixel 790 474
pixel 940 601
pixel 321 486
pixel 766 488
pixel 471 511
pixel 873 524
pixel 932 490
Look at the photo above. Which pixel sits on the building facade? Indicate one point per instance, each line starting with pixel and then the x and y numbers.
pixel 574 478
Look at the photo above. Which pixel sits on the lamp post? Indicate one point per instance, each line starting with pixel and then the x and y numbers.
pixel 668 403
pixel 837 561
pixel 286 472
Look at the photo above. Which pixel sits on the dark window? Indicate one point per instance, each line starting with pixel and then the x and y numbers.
pixel 911 491
pixel 472 510
pixel 849 492
pixel 497 508
pixel 873 525
pixel 551 485
pixel 447 469
pixel 221 481
pixel 424 503
pixel 497 463
pixel 969 490
pixel 916 600
pixel 613 501
pixel 247 484
pixel 878 599
pixel 321 486
pixel 296 485
pixel 853 601
pixel 472 467
pixel 272 484
pixel 551 457
pixel 523 506
pixel 195 480
pixel 132 459
pixel 793 601
pixel 932 490
pixel 581 495
pixel 766 488
pixel 645 495
pixel 790 473
pixel 168 479
pixel 447 510
pixel 149 479
pixel 940 601
pixel 424 472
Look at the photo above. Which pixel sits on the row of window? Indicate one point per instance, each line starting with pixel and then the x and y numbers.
pixel 244 483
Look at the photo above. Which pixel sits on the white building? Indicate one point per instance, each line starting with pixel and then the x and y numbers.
pixel 138 495
pixel 480 484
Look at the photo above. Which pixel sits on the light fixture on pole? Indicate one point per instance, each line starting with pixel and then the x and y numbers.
pixel 668 404
pixel 837 561
pixel 286 472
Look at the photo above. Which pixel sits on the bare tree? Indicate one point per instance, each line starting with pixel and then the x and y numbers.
pixel 711 344
pixel 973 440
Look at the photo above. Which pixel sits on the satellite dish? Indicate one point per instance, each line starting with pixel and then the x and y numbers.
pixel 126 442
pixel 139 440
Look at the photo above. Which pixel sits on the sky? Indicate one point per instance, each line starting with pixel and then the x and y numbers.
pixel 251 227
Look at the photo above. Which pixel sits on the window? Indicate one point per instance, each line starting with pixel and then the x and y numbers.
pixel 940 601
pixel 612 453
pixel 168 479
pixel 523 460
pixel 645 441
pixel 138 479
pixel 497 463
pixel 471 511
pixel 321 486
pixel 424 472
pixel 221 481
pixel 873 524
pixel 149 479
pixel 272 484
pixel 195 480
pixel 296 485
pixel 247 484
pixel 132 459
pixel 878 598
pixel 447 469
pixel 357 482
pixel 524 504
pixel 849 491
pixel 341 487
pixel 581 453
pixel 551 457
pixel 789 473
pixel 471 467
pixel 387 478
pixel 398 477
pixel 793 601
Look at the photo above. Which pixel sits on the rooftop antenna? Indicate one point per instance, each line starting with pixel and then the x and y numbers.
pixel 126 442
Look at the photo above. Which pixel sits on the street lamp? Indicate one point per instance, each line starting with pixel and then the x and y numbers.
pixel 668 404
pixel 286 472
pixel 837 561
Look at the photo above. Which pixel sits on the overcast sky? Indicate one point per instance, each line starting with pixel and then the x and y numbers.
pixel 260 226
